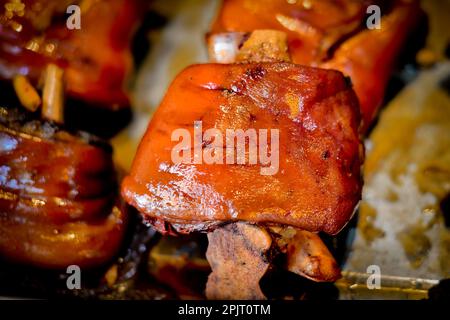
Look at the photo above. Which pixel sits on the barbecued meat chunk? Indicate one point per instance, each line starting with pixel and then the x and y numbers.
pixel 326 34
pixel 96 58
pixel 317 182
pixel 58 194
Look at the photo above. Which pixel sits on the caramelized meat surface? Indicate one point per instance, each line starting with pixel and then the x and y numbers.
pixel 327 34
pixel 96 58
pixel 57 195
pixel 317 184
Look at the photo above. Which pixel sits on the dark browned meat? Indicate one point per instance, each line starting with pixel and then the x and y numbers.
pixel 57 195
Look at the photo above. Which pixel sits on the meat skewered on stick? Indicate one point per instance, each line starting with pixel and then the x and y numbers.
pixel 230 252
pixel 57 189
pixel 317 185
pixel 275 34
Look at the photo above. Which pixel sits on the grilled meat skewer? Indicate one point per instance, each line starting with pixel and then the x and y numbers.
pixel 318 182
pixel 325 34
pixel 305 253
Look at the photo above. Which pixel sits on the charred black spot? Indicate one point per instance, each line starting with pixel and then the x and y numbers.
pixel 256 73
pixel 84 116
pixel 244 39
pixel 348 82
pixel 326 154
pixel 141 44
pixel 278 283
pixel 87 61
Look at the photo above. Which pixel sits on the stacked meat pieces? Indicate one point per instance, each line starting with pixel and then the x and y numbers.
pixel 260 84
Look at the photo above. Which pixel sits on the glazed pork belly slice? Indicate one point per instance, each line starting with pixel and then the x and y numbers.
pixel 325 34
pixel 318 183
pixel 58 195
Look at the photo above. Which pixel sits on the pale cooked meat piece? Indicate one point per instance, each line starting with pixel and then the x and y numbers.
pixel 238 255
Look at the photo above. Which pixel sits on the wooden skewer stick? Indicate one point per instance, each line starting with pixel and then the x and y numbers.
pixel 53 94
pixel 26 93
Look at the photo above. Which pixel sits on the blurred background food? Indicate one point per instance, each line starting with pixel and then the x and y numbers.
pixel 403 218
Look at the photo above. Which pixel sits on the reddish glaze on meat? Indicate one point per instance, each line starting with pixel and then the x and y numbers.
pixel 333 35
pixel 57 196
pixel 317 185
pixel 96 58
pixel 89 243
